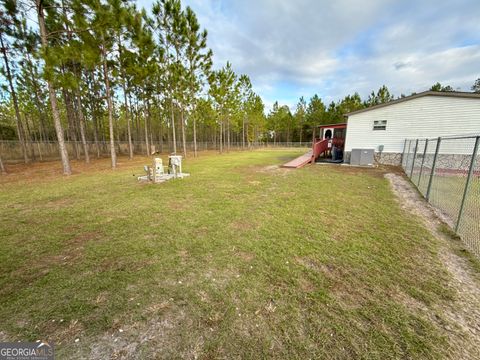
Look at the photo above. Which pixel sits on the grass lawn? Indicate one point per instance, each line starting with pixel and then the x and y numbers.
pixel 240 260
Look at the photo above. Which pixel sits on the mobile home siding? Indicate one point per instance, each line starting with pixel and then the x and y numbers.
pixel 423 117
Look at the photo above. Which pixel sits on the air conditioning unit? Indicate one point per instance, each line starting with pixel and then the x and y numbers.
pixel 362 157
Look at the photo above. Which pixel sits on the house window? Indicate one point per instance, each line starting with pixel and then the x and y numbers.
pixel 380 125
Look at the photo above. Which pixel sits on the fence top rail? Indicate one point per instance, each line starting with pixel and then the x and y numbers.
pixel 450 137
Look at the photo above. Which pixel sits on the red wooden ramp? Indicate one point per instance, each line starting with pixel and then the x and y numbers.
pixel 299 161
pixel 318 148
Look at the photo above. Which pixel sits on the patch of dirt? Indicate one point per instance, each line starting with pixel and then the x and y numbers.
pixel 112 264
pixel 246 256
pixel 329 270
pixel 125 344
pixel 183 254
pixel 3 337
pixel 177 206
pixel 274 169
pixel 463 313
pixel 308 263
pixel 306 285
pixel 62 332
pixel 411 201
pixel 348 295
pixel 242 225
pixel 82 238
pixel 59 203
pixel 202 231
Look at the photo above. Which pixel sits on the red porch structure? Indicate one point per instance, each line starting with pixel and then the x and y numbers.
pixel 328 146
pixel 329 143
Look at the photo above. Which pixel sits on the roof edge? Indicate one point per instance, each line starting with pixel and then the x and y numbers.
pixel 459 94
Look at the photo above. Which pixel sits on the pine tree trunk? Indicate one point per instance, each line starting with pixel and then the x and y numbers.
pixel 147 144
pixel 38 102
pixel 220 136
pixel 169 139
pixel 93 102
pixel 18 119
pixel 228 135
pixel 243 132
pixel 152 146
pixel 150 132
pixel 127 112
pixel 161 136
pixel 95 134
pixel 113 154
pixel 53 99
pixel 137 120
pixel 184 140
pixel 71 123
pixel 129 129
pixel 59 130
pixel 39 151
pixel 173 131
pixel 2 167
pixel 28 139
pixel 194 137
pixel 81 119
pixel 95 130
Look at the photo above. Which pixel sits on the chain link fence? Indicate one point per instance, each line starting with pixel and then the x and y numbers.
pixel 446 170
pixel 11 150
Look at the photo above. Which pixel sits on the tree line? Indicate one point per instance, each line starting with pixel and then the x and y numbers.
pixel 100 71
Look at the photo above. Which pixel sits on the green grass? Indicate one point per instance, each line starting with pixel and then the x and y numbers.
pixel 240 260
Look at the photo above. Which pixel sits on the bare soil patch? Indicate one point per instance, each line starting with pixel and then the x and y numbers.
pixel 273 169
pixel 242 225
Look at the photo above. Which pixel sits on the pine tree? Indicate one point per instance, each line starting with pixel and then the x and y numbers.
pixel 166 23
pixel 224 94
pixel 39 6
pixel 476 86
pixel 300 115
pixel 8 21
pixel 245 90
pixel 199 62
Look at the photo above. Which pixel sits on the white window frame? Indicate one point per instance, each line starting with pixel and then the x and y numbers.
pixel 379 125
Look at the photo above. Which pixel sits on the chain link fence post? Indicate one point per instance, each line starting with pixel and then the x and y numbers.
pixel 408 156
pixel 403 153
pixel 423 162
pixel 467 183
pixel 432 173
pixel 414 156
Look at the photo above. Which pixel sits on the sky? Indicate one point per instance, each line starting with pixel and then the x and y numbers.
pixel 338 47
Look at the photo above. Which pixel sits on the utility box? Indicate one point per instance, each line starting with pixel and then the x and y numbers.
pixel 362 157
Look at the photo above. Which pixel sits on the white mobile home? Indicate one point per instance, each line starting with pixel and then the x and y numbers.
pixel 429 114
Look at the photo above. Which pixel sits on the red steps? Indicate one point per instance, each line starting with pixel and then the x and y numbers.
pixel 318 148
pixel 299 161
